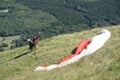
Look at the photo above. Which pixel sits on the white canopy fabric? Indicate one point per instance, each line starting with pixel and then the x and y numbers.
pixel 96 43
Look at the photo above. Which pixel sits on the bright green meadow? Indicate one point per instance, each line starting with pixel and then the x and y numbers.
pixel 104 64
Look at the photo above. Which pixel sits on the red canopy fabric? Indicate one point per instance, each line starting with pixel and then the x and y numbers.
pixel 82 45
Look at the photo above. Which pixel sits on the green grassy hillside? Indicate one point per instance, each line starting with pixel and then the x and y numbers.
pixel 104 64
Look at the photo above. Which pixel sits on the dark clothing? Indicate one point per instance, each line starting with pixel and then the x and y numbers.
pixel 31 45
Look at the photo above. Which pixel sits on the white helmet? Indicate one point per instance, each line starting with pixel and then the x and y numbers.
pixel 28 39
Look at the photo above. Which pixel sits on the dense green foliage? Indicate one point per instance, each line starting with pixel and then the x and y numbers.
pixel 94 13
pixel 22 20
pixel 53 17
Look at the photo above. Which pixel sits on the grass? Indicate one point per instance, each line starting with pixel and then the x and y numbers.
pixel 104 64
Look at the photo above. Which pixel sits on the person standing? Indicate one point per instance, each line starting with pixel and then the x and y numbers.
pixel 35 41
pixel 30 45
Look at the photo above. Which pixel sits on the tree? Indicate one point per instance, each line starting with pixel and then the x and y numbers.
pixel 4 45
pixel 1 49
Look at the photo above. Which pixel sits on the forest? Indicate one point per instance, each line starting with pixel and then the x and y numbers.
pixel 26 18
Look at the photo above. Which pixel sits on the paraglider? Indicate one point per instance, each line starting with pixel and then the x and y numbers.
pixel 84 48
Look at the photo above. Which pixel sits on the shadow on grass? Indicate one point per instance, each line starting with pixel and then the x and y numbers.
pixel 73 51
pixel 20 56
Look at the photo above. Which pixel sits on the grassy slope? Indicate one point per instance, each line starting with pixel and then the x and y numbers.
pixel 104 64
